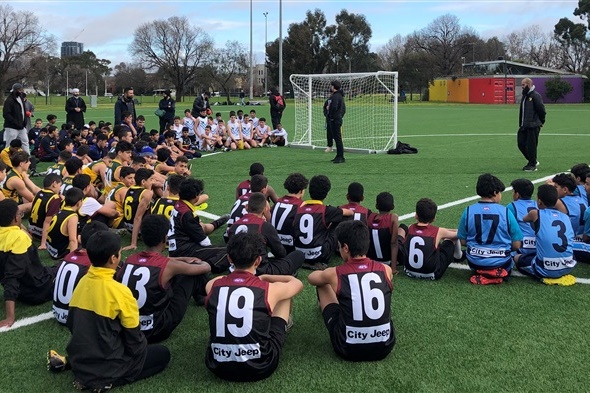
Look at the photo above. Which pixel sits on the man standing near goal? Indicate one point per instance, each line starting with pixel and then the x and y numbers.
pixel 336 111
pixel 532 117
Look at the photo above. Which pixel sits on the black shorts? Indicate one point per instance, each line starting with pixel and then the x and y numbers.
pixel 249 372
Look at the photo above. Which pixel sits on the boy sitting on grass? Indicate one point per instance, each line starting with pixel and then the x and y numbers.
pixel 384 244
pixel 554 259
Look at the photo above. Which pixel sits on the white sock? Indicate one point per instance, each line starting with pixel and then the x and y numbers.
pixel 458 253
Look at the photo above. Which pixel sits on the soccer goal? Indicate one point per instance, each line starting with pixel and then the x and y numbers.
pixel 370 123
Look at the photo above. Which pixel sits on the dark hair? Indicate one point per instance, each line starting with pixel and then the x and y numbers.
pixel 82 150
pixel 258 182
pixel 256 202
pixel 262 119
pixel 243 248
pixel 73 196
pixel 140 117
pixel 18 158
pixel 65 142
pixel 73 165
pixel 384 202
pixel 8 212
pixel 565 180
pixel 355 234
pixel 126 171
pixel 138 160
pixel 154 228
pixel 524 187
pixel 232 113
pixel 488 185
pixel 547 194
pixel 3 166
pixel 123 133
pixel 426 210
pixel 65 155
pixel 173 183
pixel 81 181
pixel 142 174
pixel 580 170
pixel 190 188
pixel 256 169
pixel 51 117
pixel 123 146
pixel 50 179
pixel 90 229
pixel 183 159
pixel 336 84
pixel 91 123
pixel 102 246
pixel 356 192
pixel 50 129
pixel 16 144
pixel 125 90
pixel 101 137
pixel 169 134
pixel 295 182
pixel 163 154
pixel 154 132
pixel 319 187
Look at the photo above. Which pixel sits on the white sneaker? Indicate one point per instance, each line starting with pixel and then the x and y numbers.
pixel 537 163
pixel 328 149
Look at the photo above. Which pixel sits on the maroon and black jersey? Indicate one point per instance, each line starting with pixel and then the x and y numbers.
pixel 239 326
pixel 282 217
pixel 380 246
pixel 142 273
pixel 364 296
pixel 185 230
pixel 243 188
pixel 310 228
pixel 237 211
pixel 45 204
pixel 361 213
pixel 422 250
pixel 251 223
pixel 74 266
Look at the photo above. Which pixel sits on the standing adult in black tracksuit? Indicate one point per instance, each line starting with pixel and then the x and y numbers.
pixel 277 106
pixel 531 119
pixel 336 111
pixel 168 105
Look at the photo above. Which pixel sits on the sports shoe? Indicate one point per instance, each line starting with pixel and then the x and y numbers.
pixel 314 266
pixel 329 149
pixel 493 273
pixel 565 281
pixel 339 160
pixel 461 258
pixel 55 362
pixel 221 221
pixel 226 149
pixel 478 279
pixel 537 164
pixel 120 232
pixel 289 324
pixel 78 386
pixel 529 168
pixel 202 206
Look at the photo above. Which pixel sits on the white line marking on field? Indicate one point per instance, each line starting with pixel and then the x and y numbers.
pixel 28 321
pixel 460 135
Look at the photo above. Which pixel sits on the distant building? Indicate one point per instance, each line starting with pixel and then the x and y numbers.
pixel 70 48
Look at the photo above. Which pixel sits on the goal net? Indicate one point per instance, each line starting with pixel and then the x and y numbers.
pixel 370 122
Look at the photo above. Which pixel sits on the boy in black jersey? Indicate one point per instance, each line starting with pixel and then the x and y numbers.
pixel 354 197
pixel 247 314
pixel 428 250
pixel 385 243
pixel 355 298
pixel 62 235
pixel 283 212
pixel 45 205
pixel 137 203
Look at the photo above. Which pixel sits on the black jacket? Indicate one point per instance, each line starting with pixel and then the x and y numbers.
pixel 532 111
pixel 123 105
pixel 277 103
pixel 75 117
pixel 200 103
pixel 169 107
pixel 13 113
pixel 337 107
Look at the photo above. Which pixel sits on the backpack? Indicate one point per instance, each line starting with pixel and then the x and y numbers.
pixel 402 148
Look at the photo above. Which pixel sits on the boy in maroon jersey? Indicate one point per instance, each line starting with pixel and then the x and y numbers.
pixel 354 197
pixel 384 243
pixel 259 183
pixel 244 187
pixel 355 298
pixel 283 212
pixel 428 250
pixel 162 301
pixel 247 314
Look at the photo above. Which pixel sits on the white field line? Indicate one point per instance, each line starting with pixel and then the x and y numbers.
pixel 42 317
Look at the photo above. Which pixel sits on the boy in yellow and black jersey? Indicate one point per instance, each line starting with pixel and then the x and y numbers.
pixel 59 166
pixel 137 203
pixel 45 205
pixel 117 195
pixel 62 235
pixel 123 150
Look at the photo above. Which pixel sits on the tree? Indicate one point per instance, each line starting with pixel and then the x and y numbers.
pixel 348 42
pixel 583 10
pixel 392 53
pixel 21 39
pixel 225 64
pixel 557 88
pixel 174 47
pixel 131 75
pixel 574 52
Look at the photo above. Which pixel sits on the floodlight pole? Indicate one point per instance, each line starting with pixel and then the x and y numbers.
pixel 281 46
pixel 251 58
pixel 265 52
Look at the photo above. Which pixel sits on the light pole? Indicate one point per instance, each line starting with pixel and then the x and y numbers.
pixel 462 64
pixel 265 55
pixel 281 46
pixel 251 58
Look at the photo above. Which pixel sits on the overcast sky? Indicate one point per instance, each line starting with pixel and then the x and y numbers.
pixel 106 27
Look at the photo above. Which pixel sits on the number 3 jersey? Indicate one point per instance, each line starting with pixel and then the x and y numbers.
pixel 239 325
pixel 364 330
pixel 74 266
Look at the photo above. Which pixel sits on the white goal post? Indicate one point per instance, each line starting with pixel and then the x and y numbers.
pixel 370 122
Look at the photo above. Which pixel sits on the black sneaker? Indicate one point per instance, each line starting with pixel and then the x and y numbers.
pixel 314 266
pixel 339 160
pixel 56 363
pixel 530 168
pixel 221 221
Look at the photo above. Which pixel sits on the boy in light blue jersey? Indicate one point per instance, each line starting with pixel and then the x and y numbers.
pixel 582 246
pixel 522 192
pixel 580 172
pixel 490 232
pixel 572 205
pixel 555 236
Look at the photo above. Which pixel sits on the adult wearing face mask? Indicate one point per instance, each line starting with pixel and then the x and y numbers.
pixel 75 108
pixel 14 117
pixel 125 103
pixel 531 119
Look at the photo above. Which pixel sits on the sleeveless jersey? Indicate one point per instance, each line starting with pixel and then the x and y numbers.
pixel 582 193
pixel 11 193
pixel 57 242
pixel 576 206
pixel 74 266
pixel 249 223
pixel 364 297
pixel 254 122
pixel 234 129
pixel 282 217
pixel 310 230
pixel 555 238
pixel 243 188
pixel 130 204
pixel 67 183
pixel 247 130
pixel 237 211
pixel 239 324
pixel 94 177
pixel 142 273
pixel 263 131
pixel 422 251
pixel 360 212
pixel 56 169
pixel 39 208
pixel 488 238
pixel 164 206
pixel 380 245
pixel 522 207
pixel 110 176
